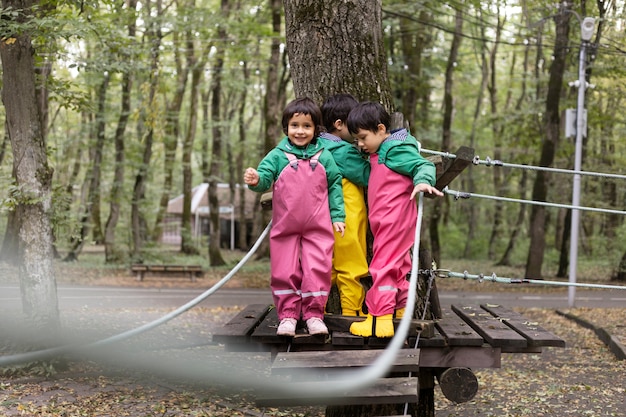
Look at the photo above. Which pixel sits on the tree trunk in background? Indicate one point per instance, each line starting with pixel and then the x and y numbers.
pixel 337 47
pixel 111 253
pixel 435 245
pixel 137 220
pixel 188 245
pixel 472 209
pixel 538 218
pixel 215 255
pixel 273 104
pixel 172 132
pixel 242 236
pixel 32 173
pixel 498 132
pixel 91 211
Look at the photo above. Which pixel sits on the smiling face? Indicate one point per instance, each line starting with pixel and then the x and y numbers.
pixel 369 141
pixel 301 129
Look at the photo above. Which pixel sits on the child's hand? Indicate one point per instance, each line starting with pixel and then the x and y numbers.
pixel 425 188
pixel 251 176
pixel 339 227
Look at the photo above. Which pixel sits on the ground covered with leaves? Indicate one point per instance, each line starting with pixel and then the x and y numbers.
pixel 179 371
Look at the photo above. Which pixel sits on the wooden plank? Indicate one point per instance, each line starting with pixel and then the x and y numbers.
pixel 532 331
pixel 341 323
pixel 239 328
pixel 494 332
pixel 407 360
pixel 460 356
pixel 453 168
pixel 346 339
pixel 265 332
pixel 383 391
pixel 456 331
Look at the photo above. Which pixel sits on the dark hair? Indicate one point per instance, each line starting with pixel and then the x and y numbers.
pixel 367 116
pixel 302 105
pixel 337 107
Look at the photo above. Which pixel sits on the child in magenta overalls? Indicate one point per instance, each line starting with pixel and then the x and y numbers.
pixel 398 174
pixel 307 204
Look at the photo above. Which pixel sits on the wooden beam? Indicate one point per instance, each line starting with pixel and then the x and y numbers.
pixel 383 391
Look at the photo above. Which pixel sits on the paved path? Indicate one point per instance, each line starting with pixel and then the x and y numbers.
pixel 85 297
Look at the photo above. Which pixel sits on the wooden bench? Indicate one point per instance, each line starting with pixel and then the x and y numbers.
pixel 466 337
pixel 191 271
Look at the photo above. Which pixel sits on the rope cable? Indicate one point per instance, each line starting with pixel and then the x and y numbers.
pixel 496 162
pixel 52 352
pixel 443 273
pixel 465 195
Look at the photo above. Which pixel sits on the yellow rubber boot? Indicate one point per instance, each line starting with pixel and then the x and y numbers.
pixel 381 326
pixel 400 313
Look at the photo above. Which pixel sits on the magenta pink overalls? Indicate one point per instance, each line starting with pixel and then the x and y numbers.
pixel 392 220
pixel 301 239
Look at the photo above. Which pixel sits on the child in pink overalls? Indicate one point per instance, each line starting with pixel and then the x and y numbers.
pixel 307 204
pixel 398 174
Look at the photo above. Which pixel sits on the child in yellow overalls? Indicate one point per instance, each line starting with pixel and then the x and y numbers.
pixel 350 251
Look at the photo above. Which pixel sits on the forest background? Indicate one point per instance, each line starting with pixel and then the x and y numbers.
pixel 139 101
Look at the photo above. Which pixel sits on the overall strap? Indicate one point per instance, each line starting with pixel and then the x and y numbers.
pixel 293 161
pixel 315 159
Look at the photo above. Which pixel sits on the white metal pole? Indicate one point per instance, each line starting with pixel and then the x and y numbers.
pixel 586 31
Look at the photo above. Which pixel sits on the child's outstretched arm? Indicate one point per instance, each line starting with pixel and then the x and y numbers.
pixel 339 227
pixel 426 188
pixel 251 176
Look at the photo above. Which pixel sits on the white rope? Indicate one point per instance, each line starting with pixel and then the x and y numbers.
pixel 52 352
pixel 465 195
pixel 496 162
pixel 442 273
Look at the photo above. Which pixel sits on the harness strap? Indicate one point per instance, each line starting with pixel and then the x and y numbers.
pixel 293 160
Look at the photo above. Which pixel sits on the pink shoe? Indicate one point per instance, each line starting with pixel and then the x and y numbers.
pixel 316 326
pixel 287 327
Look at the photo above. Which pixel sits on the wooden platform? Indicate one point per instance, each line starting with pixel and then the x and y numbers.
pixel 466 337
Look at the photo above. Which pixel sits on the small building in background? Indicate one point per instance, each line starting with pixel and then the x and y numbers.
pixel 200 223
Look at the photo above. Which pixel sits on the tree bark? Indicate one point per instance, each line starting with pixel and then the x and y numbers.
pixel 33 175
pixel 538 218
pixel 328 55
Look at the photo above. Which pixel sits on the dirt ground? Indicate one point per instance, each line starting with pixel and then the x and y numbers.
pixel 178 371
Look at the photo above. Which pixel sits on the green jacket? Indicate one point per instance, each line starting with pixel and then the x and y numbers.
pixel 352 165
pixel 400 152
pixel 275 161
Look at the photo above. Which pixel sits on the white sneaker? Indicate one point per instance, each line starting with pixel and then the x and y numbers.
pixel 287 327
pixel 316 326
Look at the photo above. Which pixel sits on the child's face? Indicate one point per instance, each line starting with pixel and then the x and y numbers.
pixel 301 129
pixel 369 141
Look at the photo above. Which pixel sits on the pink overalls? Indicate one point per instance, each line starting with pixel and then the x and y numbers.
pixel 301 240
pixel 392 221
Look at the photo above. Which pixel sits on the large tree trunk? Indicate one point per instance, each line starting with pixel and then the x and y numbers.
pixel 32 173
pixel 538 218
pixel 350 58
